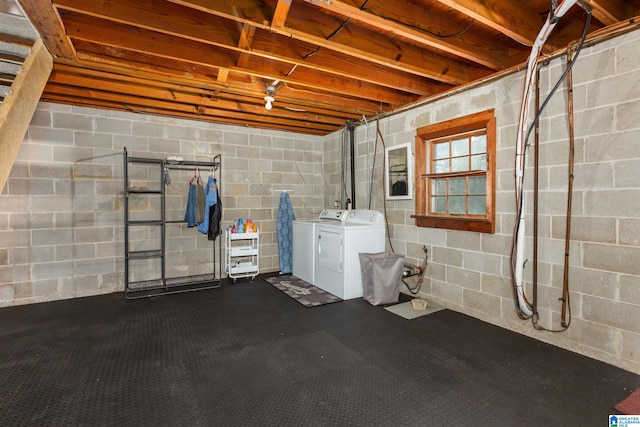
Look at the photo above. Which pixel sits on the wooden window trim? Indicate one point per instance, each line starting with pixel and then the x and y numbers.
pixel 483 224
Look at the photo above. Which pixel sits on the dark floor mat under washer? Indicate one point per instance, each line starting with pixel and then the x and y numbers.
pixel 248 355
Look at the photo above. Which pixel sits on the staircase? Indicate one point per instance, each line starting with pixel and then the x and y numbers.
pixel 25 66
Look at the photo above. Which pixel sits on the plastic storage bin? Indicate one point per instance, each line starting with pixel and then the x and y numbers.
pixel 381 277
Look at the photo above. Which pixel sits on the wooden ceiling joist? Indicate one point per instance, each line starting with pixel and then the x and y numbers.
pixel 280 14
pixel 305 99
pixel 330 61
pixel 145 14
pixel 165 46
pixel 135 102
pixel 469 47
pixel 511 18
pixel 307 25
pixel 44 16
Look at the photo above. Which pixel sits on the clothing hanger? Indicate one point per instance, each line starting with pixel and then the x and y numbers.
pixel 195 179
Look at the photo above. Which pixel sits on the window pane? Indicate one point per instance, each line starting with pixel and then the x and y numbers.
pixel 477 205
pixel 439 187
pixel 479 144
pixel 457 205
pixel 460 147
pixel 459 164
pixel 439 204
pixel 441 166
pixel 457 186
pixel 441 150
pixel 477 185
pixel 479 162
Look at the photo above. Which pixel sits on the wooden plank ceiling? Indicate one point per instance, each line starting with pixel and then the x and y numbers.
pixel 329 61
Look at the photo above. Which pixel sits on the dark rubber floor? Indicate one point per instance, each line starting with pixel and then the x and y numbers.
pixel 248 355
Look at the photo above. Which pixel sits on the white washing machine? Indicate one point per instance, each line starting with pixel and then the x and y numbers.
pixel 304 242
pixel 337 249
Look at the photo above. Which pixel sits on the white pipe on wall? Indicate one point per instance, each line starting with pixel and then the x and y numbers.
pixel 521 146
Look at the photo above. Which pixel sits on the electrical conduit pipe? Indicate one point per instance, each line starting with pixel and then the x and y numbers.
pixel 521 142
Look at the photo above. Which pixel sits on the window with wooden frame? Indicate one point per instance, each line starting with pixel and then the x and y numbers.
pixel 455 174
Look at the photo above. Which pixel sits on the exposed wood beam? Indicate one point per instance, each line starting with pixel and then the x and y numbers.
pixel 71 100
pixel 287 97
pixel 223 75
pixel 326 82
pixel 246 37
pixel 184 95
pixel 45 17
pixel 126 65
pixel 300 54
pixel 134 102
pixel 467 46
pixel 511 18
pixel 280 14
pixel 607 11
pixel 148 15
pixel 18 107
pixel 165 46
pixel 307 25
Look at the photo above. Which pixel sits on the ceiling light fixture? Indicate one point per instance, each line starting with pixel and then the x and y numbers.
pixel 271 90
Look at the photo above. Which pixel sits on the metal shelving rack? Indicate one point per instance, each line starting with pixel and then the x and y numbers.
pixel 163 285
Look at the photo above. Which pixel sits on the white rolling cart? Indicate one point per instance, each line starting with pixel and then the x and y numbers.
pixel 241 255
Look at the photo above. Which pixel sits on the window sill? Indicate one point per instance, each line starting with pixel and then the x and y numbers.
pixel 480 225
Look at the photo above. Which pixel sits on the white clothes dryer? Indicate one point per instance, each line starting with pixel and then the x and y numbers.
pixel 337 249
pixel 304 242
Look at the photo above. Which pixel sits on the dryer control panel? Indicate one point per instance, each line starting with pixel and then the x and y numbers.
pixel 365 216
pixel 334 214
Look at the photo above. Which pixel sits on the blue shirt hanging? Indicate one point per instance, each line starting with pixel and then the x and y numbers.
pixel 211 199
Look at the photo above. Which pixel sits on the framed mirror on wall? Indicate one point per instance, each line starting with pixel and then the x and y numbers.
pixel 398 172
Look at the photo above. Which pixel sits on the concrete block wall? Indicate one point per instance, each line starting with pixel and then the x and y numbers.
pixel 471 273
pixel 61 212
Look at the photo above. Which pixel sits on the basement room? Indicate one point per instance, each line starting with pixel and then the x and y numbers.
pixel 320 213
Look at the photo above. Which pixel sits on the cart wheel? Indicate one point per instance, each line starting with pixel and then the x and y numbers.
pixel 234 280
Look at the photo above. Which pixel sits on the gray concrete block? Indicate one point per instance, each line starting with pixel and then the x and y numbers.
pixel 94 266
pixel 464 278
pixel 627 116
pixel 52 270
pixel 153 130
pixel 257 140
pixel 612 203
pixel 588 229
pixel 481 302
pixel 93 140
pixel 629 231
pixel 45 288
pixel 76 122
pixel 623 316
pixel 113 126
pixel 483 263
pixel 620 259
pixel 612 146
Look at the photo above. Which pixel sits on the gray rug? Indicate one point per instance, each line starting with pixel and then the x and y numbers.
pixel 406 310
pixel 301 291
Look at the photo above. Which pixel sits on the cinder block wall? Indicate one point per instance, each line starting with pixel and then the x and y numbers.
pixel 470 272
pixel 61 212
